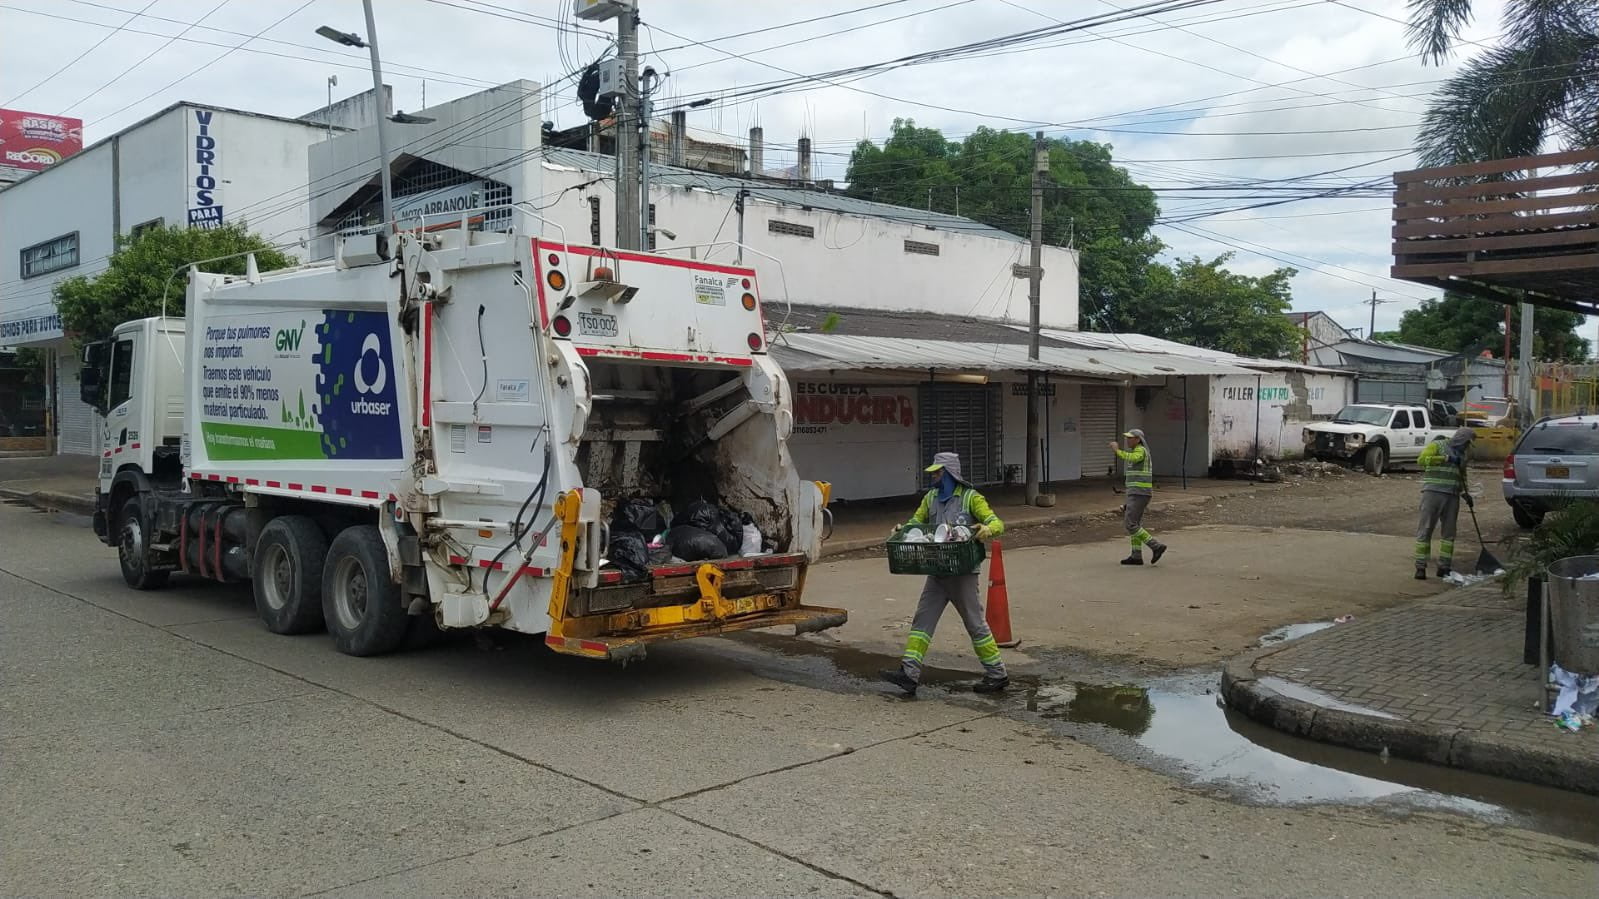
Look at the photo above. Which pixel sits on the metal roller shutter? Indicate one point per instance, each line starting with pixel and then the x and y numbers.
pixel 964 419
pixel 1100 425
pixel 79 427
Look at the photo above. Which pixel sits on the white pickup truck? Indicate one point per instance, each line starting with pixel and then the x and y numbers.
pixel 1374 434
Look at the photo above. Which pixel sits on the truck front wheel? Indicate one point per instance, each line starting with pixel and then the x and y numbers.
pixel 1376 459
pixel 133 547
pixel 360 602
pixel 288 575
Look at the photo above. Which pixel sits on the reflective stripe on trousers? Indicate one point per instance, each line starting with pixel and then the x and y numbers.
pixel 1438 510
pixel 962 593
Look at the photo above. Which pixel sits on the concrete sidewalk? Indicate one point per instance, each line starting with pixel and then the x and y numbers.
pixel 865 524
pixel 52 482
pixel 1440 680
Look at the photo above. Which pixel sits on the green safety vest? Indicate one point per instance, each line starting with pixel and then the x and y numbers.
pixel 1438 474
pixel 1141 474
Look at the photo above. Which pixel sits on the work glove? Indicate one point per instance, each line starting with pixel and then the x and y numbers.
pixel 983 533
pixel 1470 503
pixel 894 531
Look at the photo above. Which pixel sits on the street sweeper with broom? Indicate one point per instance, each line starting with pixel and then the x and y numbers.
pixel 1443 485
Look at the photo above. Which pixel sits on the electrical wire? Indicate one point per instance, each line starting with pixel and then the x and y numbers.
pixel 79 58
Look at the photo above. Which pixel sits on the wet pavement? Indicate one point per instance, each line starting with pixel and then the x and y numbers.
pixel 1177 725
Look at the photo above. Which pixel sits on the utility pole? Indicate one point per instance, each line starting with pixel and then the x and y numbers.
pixel 1524 367
pixel 1035 277
pixel 383 119
pixel 646 110
pixel 627 141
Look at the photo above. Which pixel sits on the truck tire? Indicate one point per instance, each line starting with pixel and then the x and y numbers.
pixel 1376 459
pixel 359 602
pixel 1526 517
pixel 133 547
pixel 288 575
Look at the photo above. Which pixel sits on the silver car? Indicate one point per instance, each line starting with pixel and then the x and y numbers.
pixel 1556 460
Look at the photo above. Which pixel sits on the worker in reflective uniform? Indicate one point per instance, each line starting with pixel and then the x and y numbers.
pixel 1140 472
pixel 954 502
pixel 1443 483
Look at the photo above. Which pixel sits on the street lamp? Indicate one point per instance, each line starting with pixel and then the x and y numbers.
pixel 371 43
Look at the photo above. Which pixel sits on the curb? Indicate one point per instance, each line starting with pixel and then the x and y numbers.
pixel 51 500
pixel 1450 747
pixel 842 547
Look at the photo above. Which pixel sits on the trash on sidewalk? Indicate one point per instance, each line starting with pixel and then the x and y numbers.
pixel 1460 579
pixel 1343 619
pixel 1579 694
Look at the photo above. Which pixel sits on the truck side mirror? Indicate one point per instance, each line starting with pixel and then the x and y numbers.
pixel 91 377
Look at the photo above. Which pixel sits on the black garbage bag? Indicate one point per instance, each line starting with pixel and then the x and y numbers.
pixel 708 516
pixel 629 553
pixel 639 514
pixel 699 513
pixel 694 544
pixel 730 527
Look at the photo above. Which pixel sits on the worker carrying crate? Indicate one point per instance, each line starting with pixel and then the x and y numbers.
pixel 944 541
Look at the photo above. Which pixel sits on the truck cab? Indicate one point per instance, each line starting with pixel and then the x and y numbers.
pixel 135 381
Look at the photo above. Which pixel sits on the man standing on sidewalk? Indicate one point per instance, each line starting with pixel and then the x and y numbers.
pixel 1443 483
pixel 1140 470
pixel 953 502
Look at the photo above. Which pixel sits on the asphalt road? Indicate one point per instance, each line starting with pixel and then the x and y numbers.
pixel 165 743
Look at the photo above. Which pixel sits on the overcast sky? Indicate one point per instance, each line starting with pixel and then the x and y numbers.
pixel 1303 86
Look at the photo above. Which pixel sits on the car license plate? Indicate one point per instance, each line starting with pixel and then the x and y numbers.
pixel 1557 471
pixel 596 324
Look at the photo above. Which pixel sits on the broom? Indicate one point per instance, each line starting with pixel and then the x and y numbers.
pixel 1487 562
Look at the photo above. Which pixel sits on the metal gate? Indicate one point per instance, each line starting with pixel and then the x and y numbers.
pixel 79 426
pixel 1100 424
pixel 1372 390
pixel 964 419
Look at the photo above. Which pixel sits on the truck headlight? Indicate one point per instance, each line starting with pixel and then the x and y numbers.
pixel 1355 439
pixel 1306 436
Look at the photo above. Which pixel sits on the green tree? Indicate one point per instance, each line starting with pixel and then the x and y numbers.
pixel 1091 203
pixel 140 276
pixel 1203 304
pixel 1461 323
pixel 1540 82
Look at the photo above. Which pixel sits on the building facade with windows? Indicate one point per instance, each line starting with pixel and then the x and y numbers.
pixel 190 164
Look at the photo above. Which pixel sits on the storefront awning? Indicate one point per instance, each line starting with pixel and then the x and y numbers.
pixel 832 352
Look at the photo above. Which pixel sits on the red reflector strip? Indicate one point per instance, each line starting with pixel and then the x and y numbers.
pixel 610 577
pixel 294 486
pixel 274 484
pixel 343 491
pixel 133 446
pixel 594 646
pixel 251 482
pixel 457 560
pixel 370 494
pixel 670 571
pixel 736 565
pixel 232 479
pixel 318 488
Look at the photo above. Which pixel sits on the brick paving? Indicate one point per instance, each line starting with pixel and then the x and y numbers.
pixel 1447 668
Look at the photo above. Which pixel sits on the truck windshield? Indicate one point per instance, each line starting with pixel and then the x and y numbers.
pixel 1363 415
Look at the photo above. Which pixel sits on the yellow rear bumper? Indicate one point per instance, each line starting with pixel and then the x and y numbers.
pixel 628 645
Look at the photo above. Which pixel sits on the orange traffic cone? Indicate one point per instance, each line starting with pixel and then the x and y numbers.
pixel 998 611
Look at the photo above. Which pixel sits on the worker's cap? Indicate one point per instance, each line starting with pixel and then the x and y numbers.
pixel 1135 432
pixel 950 462
pixel 1463 436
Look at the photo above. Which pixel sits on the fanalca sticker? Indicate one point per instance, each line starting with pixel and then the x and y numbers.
pixel 708 290
pixel 273 388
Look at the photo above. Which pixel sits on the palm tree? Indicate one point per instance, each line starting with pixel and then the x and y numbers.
pixel 1539 86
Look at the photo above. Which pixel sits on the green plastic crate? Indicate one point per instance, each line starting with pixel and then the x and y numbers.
pixel 935 559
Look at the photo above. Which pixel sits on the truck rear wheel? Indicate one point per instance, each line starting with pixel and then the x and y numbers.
pixel 359 601
pixel 288 575
pixel 133 547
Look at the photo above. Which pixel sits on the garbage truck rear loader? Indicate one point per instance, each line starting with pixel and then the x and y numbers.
pixel 431 431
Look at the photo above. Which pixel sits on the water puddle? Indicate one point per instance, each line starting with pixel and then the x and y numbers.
pixel 1177 726
pixel 1181 720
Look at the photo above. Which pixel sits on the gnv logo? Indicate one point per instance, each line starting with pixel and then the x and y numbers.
pixel 370 347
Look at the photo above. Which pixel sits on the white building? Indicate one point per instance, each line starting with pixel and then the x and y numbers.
pixel 189 164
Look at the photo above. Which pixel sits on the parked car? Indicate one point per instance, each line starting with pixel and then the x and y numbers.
pixel 1555 461
pixel 1374 435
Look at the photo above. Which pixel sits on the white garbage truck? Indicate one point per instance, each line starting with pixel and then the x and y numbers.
pixel 432 429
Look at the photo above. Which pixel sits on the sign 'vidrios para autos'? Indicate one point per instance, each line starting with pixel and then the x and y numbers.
pixel 34 141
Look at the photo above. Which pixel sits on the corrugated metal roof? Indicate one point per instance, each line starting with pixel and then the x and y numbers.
pixel 1142 343
pixel 1388 352
pixel 780 194
pixel 833 352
